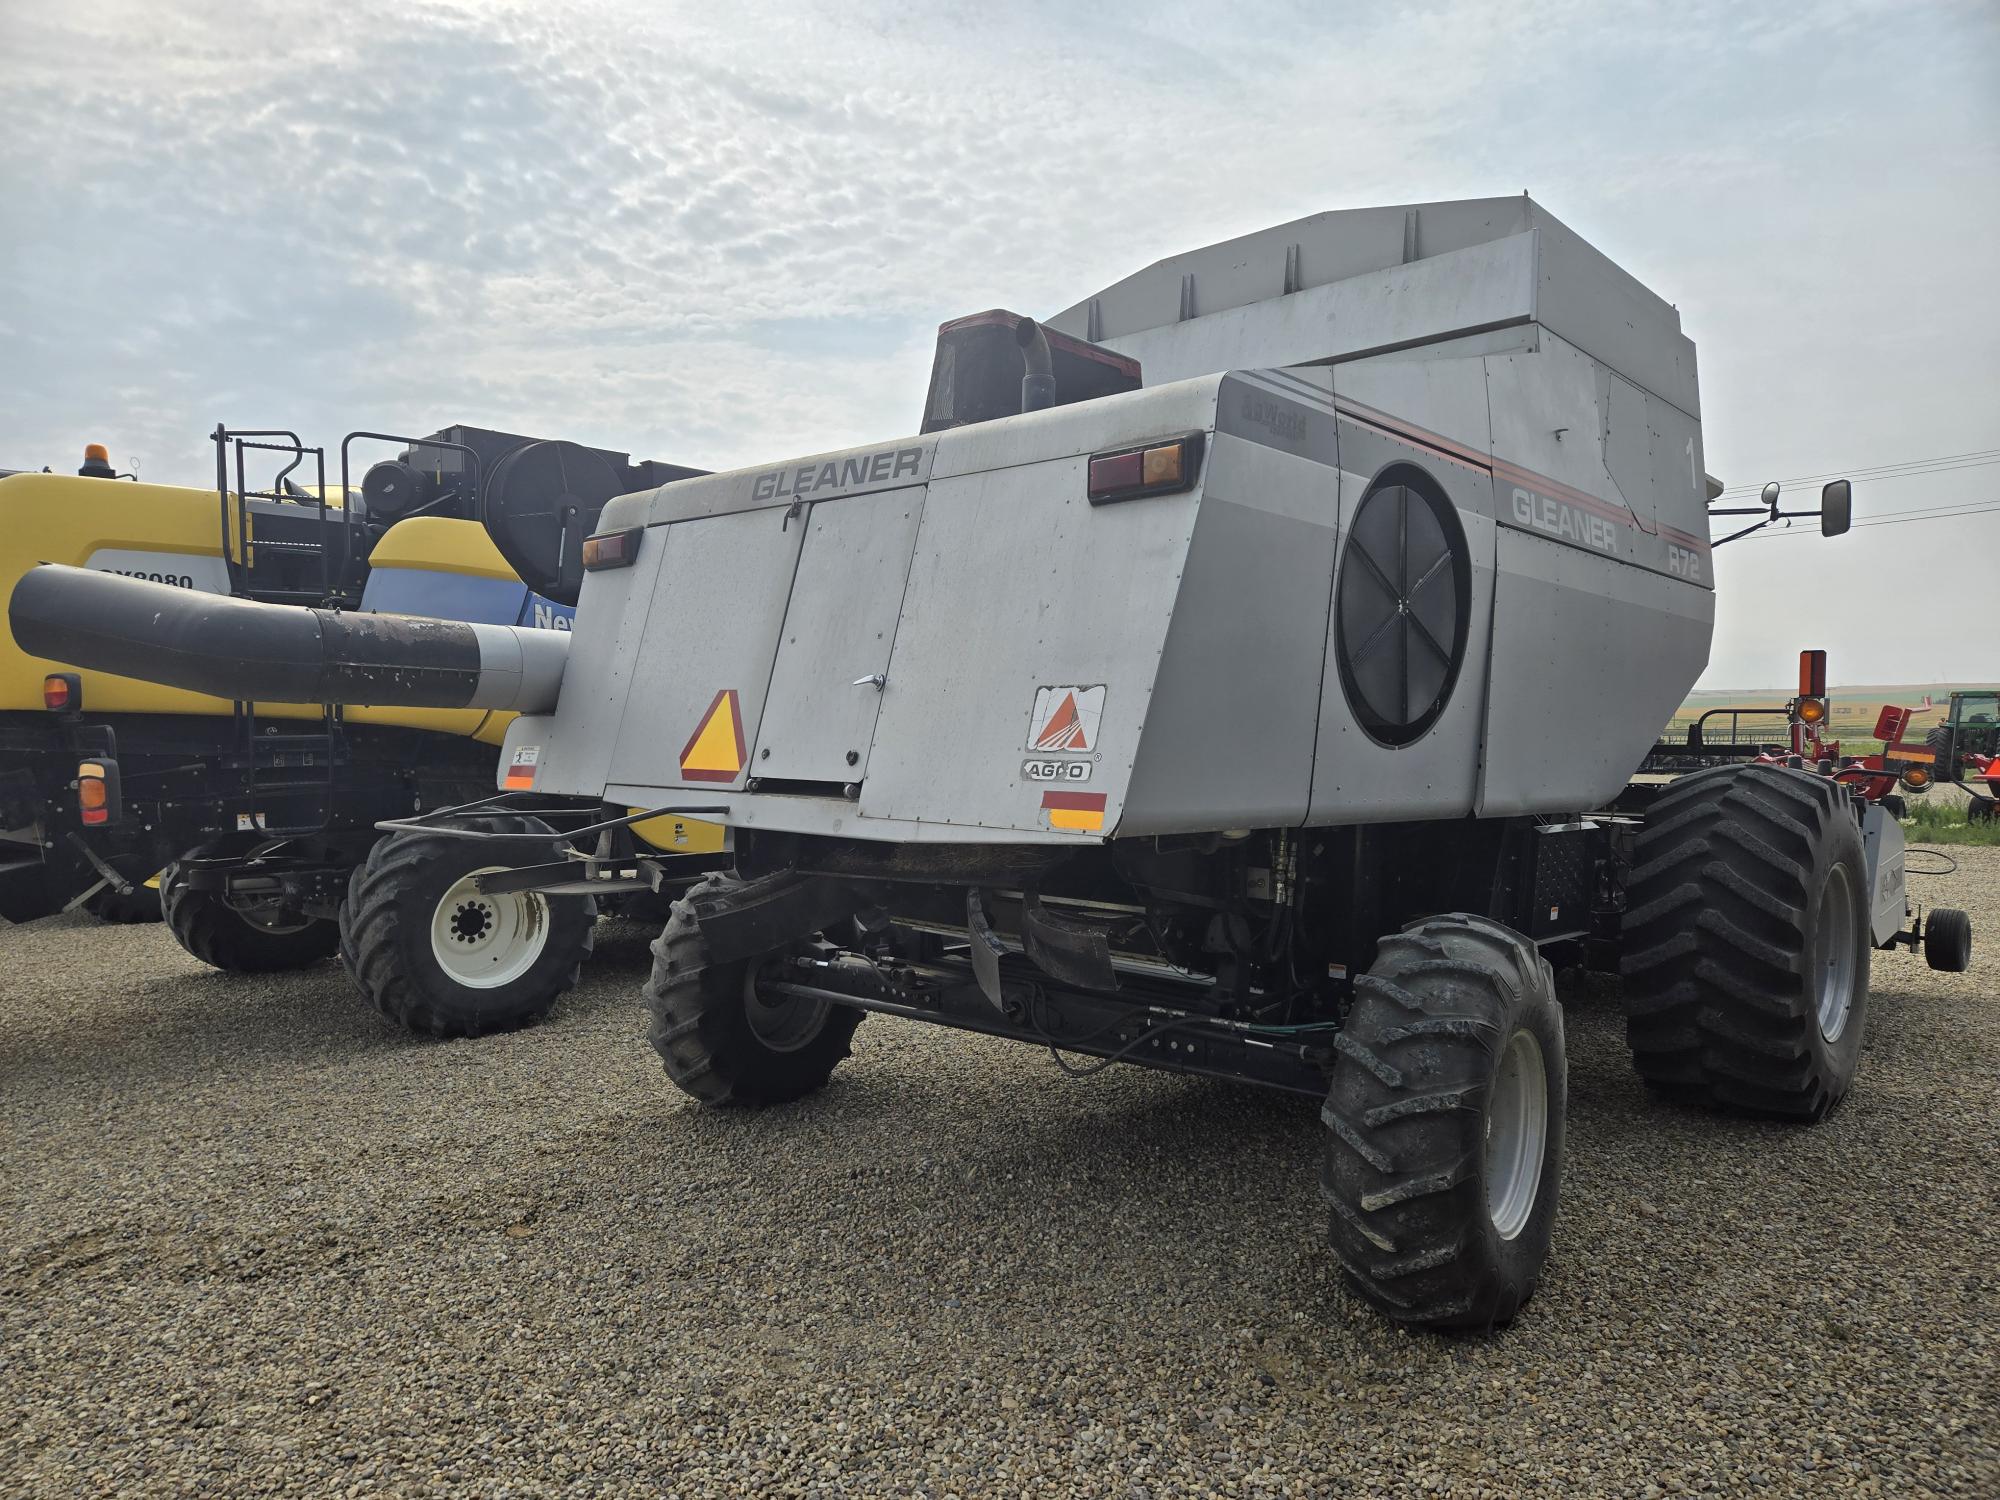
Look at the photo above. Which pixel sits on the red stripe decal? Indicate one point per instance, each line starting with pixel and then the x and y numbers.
pixel 1444 447
pixel 1074 801
pixel 1674 534
pixel 1501 468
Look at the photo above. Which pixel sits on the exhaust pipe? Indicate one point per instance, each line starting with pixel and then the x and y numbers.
pixel 1038 378
pixel 281 653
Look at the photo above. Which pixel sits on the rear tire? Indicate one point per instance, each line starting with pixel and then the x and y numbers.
pixel 718 1040
pixel 1938 741
pixel 1979 809
pixel 1747 943
pixel 1948 940
pixel 224 938
pixel 121 909
pixel 1445 1118
pixel 440 958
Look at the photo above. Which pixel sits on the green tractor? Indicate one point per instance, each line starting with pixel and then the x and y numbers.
pixel 1969 738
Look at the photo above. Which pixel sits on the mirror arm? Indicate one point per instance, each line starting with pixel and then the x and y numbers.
pixel 1736 536
pixel 1783 515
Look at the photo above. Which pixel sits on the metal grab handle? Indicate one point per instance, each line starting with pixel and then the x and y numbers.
pixel 876 680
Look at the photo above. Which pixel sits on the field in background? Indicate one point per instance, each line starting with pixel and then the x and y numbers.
pixel 1936 817
pixel 1851 721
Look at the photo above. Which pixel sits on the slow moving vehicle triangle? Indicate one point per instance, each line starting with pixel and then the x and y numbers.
pixel 715 751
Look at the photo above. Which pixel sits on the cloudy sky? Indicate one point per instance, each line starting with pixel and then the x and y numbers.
pixel 719 234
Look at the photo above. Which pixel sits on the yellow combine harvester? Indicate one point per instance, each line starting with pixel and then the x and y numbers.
pixel 250 818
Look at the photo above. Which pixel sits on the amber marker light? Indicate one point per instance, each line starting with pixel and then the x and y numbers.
pixel 62 693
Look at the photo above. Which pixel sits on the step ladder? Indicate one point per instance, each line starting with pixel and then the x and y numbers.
pixel 285 768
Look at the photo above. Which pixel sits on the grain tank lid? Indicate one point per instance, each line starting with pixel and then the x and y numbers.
pixel 1314 251
pixel 1562 282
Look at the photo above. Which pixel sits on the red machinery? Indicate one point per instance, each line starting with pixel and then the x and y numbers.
pixel 1899 762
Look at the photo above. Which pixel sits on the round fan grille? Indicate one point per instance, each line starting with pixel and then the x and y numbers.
pixel 1405 585
pixel 530 495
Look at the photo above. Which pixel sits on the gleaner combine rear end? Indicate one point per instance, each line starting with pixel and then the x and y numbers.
pixel 1243 675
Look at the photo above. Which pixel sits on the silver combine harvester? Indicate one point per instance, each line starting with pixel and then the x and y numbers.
pixel 1242 673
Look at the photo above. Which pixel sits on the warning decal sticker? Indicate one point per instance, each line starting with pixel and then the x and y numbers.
pixel 1066 718
pixel 715 752
pixel 1079 812
pixel 521 768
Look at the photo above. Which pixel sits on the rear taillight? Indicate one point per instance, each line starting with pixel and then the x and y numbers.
pixel 62 693
pixel 97 792
pixel 614 549
pixel 1155 469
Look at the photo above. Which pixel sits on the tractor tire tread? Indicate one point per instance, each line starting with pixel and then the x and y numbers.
pixel 379 900
pixel 1401 1172
pixel 222 939
pixel 1718 1005
pixel 696 1024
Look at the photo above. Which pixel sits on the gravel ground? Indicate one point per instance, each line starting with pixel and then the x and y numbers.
pixel 254 1243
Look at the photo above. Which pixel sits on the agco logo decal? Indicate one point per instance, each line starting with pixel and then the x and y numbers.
pixel 1066 718
pixel 1059 771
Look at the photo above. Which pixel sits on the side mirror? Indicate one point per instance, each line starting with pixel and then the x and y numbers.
pixel 1770 497
pixel 1836 508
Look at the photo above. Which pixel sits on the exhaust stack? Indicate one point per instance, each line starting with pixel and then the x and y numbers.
pixel 1038 377
pixel 281 653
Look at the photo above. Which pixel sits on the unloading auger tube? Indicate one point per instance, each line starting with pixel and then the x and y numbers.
pixel 281 653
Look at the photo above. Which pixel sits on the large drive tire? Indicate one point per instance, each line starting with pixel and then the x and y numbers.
pixel 1445 1115
pixel 722 1043
pixel 1747 941
pixel 1948 940
pixel 442 959
pixel 1937 741
pixel 224 938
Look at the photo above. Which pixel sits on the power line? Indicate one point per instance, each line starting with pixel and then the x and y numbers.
pixel 1976 455
pixel 1893 518
pixel 1924 512
pixel 1942 463
pixel 1904 518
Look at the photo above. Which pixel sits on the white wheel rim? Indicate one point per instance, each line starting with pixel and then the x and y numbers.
pixel 1834 931
pixel 483 941
pixel 1517 1134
